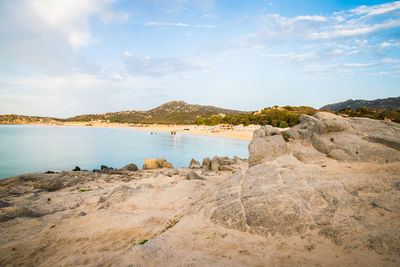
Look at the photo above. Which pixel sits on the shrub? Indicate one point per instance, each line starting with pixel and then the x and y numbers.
pixel 283 124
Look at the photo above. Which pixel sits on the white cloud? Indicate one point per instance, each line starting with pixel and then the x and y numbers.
pixel 137 65
pixel 356 30
pixel 45 35
pixel 310 18
pixel 179 24
pixel 387 44
pixel 389 60
pixel 358 64
pixel 69 18
pixel 351 24
pixel 377 9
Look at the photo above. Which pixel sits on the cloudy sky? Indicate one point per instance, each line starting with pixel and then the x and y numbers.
pixel 67 57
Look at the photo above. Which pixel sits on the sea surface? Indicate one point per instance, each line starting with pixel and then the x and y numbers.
pixel 33 149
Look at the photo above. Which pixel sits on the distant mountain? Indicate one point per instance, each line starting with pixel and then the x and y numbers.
pixel 178 112
pixel 391 103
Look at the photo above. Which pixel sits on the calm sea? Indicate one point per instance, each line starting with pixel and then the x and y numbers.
pixel 28 149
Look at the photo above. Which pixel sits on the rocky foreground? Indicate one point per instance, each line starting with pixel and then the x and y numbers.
pixel 325 192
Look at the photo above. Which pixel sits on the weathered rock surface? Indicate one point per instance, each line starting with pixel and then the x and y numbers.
pixel 214 164
pixel 151 164
pixel 194 164
pixel 206 165
pixel 285 193
pixel 217 164
pixel 355 139
pixel 193 176
pixel 267 144
pixel 130 167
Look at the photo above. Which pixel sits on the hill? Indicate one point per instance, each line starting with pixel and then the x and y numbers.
pixel 178 112
pixel 391 103
pixel 20 119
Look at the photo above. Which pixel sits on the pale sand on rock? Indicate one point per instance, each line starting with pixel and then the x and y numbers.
pixel 327 196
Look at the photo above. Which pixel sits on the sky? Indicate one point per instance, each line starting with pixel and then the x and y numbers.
pixel 68 57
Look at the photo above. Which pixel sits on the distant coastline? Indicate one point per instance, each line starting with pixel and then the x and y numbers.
pixel 239 133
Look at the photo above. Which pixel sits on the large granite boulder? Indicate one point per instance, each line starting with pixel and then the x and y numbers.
pixel 355 139
pixel 316 185
pixel 151 164
pixel 289 199
pixel 267 144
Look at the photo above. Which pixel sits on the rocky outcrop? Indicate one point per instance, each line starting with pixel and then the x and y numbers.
pixel 336 197
pixel 151 164
pixel 267 144
pixel 130 167
pixel 194 164
pixel 217 164
pixel 214 164
pixel 206 165
pixel 9 213
pixel 193 176
pixel 49 182
pixel 76 169
pixel 354 139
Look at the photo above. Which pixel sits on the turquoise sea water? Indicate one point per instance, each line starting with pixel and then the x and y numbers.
pixel 28 149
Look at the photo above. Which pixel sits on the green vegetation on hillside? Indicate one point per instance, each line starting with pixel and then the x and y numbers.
pixel 288 116
pixel 391 103
pixel 275 116
pixel 377 114
pixel 178 112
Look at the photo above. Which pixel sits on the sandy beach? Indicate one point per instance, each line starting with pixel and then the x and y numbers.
pixel 244 133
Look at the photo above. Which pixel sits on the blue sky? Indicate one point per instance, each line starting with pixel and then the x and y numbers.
pixel 63 58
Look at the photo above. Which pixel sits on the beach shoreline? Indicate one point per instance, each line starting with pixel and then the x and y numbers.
pixel 242 134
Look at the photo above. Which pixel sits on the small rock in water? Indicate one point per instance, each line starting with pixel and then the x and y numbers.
pixel 130 167
pixel 76 169
pixel 151 164
pixel 49 172
pixel 103 167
